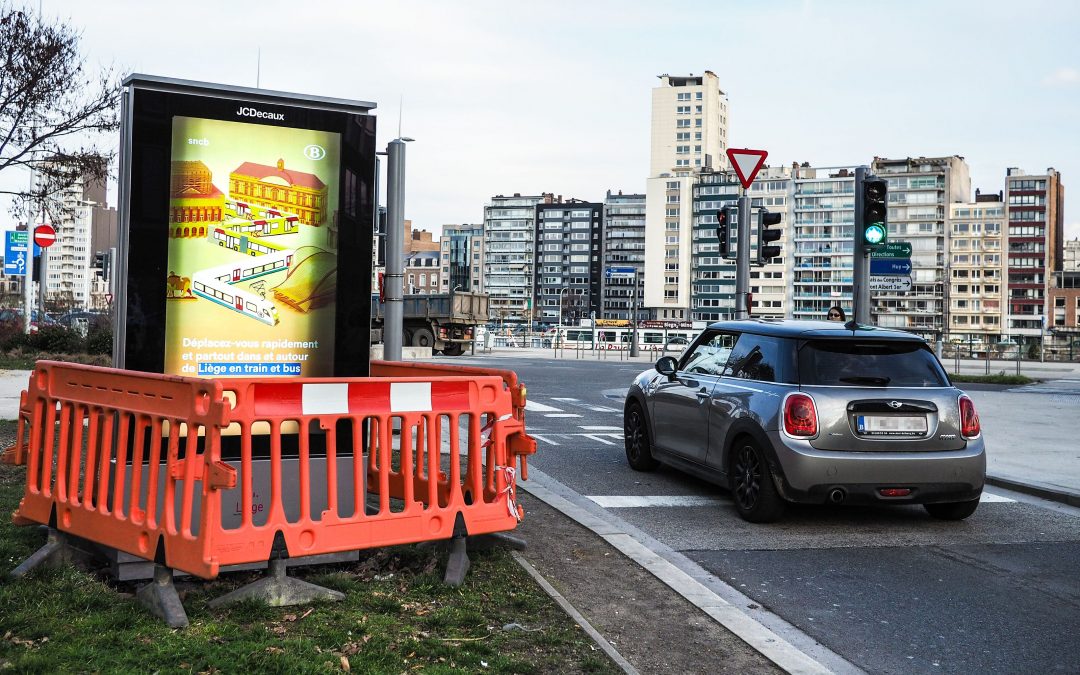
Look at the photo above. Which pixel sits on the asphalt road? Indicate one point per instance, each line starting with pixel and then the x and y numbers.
pixel 888 589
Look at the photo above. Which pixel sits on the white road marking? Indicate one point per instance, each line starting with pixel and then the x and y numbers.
pixel 597 438
pixel 599 408
pixel 640 501
pixel 542 438
pixel 539 407
pixel 562 415
pixel 555 398
pixel 988 498
pixel 588 428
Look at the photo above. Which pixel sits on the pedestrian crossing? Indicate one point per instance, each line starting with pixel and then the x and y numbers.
pixel 548 410
pixel 1049 387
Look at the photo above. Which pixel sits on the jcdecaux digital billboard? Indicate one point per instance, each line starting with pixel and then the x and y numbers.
pixel 247 231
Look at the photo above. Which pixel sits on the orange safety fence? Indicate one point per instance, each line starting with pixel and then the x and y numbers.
pixel 201 473
pixel 521 446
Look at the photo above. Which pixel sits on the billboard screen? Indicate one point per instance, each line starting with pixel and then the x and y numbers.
pixel 236 207
pixel 252 266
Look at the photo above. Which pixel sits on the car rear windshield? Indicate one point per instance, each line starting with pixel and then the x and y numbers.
pixel 869 363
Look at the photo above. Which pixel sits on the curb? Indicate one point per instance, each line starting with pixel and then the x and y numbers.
pixel 1042 490
pixel 558 597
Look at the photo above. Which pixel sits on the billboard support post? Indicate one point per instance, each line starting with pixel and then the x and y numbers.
pixel 395 247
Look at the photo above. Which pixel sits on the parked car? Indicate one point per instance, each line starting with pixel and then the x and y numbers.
pixel 810 412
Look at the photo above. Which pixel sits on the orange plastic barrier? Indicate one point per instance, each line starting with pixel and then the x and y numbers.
pixel 134 461
pixel 521 445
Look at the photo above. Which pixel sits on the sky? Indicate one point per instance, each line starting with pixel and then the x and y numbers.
pixel 530 97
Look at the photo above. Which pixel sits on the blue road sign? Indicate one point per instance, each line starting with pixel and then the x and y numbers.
pixel 619 272
pixel 890 266
pixel 15 253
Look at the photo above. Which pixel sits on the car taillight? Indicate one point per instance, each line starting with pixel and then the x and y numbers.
pixel 800 416
pixel 969 419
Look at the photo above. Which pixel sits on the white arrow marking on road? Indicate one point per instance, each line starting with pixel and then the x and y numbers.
pixel 644 501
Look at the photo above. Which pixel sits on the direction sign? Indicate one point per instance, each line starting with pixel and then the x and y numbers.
pixel 44 235
pixel 892 249
pixel 15 253
pixel 896 282
pixel 889 266
pixel 746 164
pixel 620 272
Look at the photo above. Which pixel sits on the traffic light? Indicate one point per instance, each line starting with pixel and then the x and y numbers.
pixel 725 220
pixel 765 220
pixel 874 224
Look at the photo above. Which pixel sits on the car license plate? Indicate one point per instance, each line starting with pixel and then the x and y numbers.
pixel 890 425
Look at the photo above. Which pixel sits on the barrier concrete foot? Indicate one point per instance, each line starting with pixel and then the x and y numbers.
pixel 277 589
pixel 55 552
pixel 160 597
pixel 486 542
pixel 457 565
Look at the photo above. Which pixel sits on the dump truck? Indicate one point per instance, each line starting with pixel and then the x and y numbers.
pixel 445 322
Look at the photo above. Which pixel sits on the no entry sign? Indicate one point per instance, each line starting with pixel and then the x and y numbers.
pixel 44 235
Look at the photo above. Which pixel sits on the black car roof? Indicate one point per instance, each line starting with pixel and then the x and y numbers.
pixel 813 329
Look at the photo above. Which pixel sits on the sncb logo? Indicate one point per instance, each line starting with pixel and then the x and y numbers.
pixel 314 152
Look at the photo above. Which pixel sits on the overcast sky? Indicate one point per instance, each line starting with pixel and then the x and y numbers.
pixel 507 97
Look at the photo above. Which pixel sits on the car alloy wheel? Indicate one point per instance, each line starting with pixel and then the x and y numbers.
pixel 756 498
pixel 747 477
pixel 636 440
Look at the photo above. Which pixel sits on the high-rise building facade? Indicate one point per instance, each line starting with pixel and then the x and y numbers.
pixel 920 192
pixel 624 246
pixel 773 190
pixel 689 125
pixel 712 277
pixel 568 261
pixel 462 258
pixel 1035 213
pixel 822 230
pixel 1070 257
pixel 688 136
pixel 976 272
pixel 509 236
pixel 68 272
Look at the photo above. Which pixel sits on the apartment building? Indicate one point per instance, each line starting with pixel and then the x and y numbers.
pixel 462 258
pixel 688 136
pixel 821 231
pixel 1034 248
pixel 568 261
pixel 68 271
pixel 1070 256
pixel 976 272
pixel 712 277
pixel 920 191
pixel 509 236
pixel 624 246
pixel 422 273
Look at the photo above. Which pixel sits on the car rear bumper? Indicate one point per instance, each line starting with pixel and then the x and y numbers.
pixel 811 476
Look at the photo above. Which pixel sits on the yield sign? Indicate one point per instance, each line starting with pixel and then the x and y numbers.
pixel 746 164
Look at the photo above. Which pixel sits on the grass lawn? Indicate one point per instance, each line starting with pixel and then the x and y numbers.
pixel 397 617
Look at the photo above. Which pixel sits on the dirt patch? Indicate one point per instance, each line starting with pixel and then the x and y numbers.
pixel 652 626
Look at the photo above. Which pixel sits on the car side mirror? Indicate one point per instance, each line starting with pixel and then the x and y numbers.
pixel 667 365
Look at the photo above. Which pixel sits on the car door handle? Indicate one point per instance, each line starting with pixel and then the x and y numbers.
pixel 703 394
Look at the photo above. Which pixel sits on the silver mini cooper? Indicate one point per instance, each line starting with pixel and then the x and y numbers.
pixel 811 412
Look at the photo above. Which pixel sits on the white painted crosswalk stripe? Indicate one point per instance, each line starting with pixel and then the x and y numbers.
pixel 598 438
pixel 988 498
pixel 562 414
pixel 589 428
pixel 533 406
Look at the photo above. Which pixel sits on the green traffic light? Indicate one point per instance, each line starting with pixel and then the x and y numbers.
pixel 875 234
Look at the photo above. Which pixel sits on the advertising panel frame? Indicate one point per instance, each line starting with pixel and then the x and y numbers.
pixel 149 106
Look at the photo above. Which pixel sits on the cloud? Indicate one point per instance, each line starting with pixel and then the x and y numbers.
pixel 1062 77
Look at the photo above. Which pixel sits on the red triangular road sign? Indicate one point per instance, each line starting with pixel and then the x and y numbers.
pixel 746 164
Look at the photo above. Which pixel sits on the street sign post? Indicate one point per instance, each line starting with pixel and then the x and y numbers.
pixel 746 164
pixel 889 266
pixel 619 272
pixel 893 249
pixel 895 282
pixel 44 235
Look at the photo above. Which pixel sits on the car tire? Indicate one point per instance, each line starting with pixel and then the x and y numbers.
pixel 636 439
pixel 952 510
pixel 752 488
pixel 453 349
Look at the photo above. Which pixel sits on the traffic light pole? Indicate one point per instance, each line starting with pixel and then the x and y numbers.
pixel 633 318
pixel 860 274
pixel 742 259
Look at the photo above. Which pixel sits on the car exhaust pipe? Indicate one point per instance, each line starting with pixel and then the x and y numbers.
pixel 836 496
